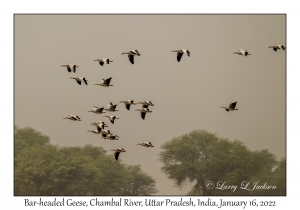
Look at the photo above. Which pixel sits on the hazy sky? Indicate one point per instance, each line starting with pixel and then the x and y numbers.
pixel 186 94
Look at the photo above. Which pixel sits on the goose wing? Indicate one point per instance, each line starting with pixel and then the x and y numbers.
pixel 117 155
pixel 143 115
pixel 127 106
pixel 74 68
pixel 101 62
pixel 179 55
pixel 232 105
pixel 131 58
pixel 85 81
pixel 69 68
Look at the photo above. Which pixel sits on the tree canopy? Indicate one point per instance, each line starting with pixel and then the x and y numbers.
pixel 208 161
pixel 45 169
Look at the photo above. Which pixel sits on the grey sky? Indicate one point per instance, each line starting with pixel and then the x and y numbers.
pixel 186 94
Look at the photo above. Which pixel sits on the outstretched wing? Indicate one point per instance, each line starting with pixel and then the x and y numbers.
pixel 131 58
pixel 85 81
pixel 117 155
pixel 232 105
pixel 127 106
pixel 74 68
pixel 143 114
pixel 179 55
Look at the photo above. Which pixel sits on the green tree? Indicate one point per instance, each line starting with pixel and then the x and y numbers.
pixel 44 169
pixel 137 182
pixel 201 156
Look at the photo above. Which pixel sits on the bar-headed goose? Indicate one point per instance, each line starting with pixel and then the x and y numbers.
pixel 231 107
pixel 103 60
pixel 79 79
pixel 111 107
pixel 181 52
pixel 145 103
pixel 146 144
pixel 73 117
pixel 277 47
pixel 117 152
pixel 70 67
pixel 242 52
pixel 97 110
pixel 143 112
pixel 131 54
pixel 105 82
pixel 112 118
pixel 127 103
pixel 100 124
pixel 112 137
pixel 97 131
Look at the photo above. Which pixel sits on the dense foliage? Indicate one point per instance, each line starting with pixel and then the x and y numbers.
pixel 216 165
pixel 45 169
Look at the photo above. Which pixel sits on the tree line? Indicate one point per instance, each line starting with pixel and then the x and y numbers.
pixel 44 169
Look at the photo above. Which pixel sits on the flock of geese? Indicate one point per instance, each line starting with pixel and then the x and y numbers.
pixel 100 125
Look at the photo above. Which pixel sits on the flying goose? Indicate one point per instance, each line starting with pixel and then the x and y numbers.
pixel 99 124
pixel 112 118
pixel 97 131
pixel 103 60
pixel 105 82
pixel 131 54
pixel 69 66
pixel 79 79
pixel 97 110
pixel 279 47
pixel 104 131
pixel 112 137
pixel 117 152
pixel 145 103
pixel 146 144
pixel 231 107
pixel 127 103
pixel 73 117
pixel 111 107
pixel 181 52
pixel 242 52
pixel 143 112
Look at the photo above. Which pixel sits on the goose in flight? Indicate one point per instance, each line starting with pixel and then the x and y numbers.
pixel 117 152
pixel 70 66
pixel 181 52
pixel 97 110
pixel 100 124
pixel 131 54
pixel 73 117
pixel 145 103
pixel 104 131
pixel 79 79
pixel 231 107
pixel 105 82
pixel 143 112
pixel 127 103
pixel 112 118
pixel 146 144
pixel 103 60
pixel 277 47
pixel 242 52
pixel 111 107
pixel 97 131
pixel 112 137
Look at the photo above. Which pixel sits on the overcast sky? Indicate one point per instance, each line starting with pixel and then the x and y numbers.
pixel 187 95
